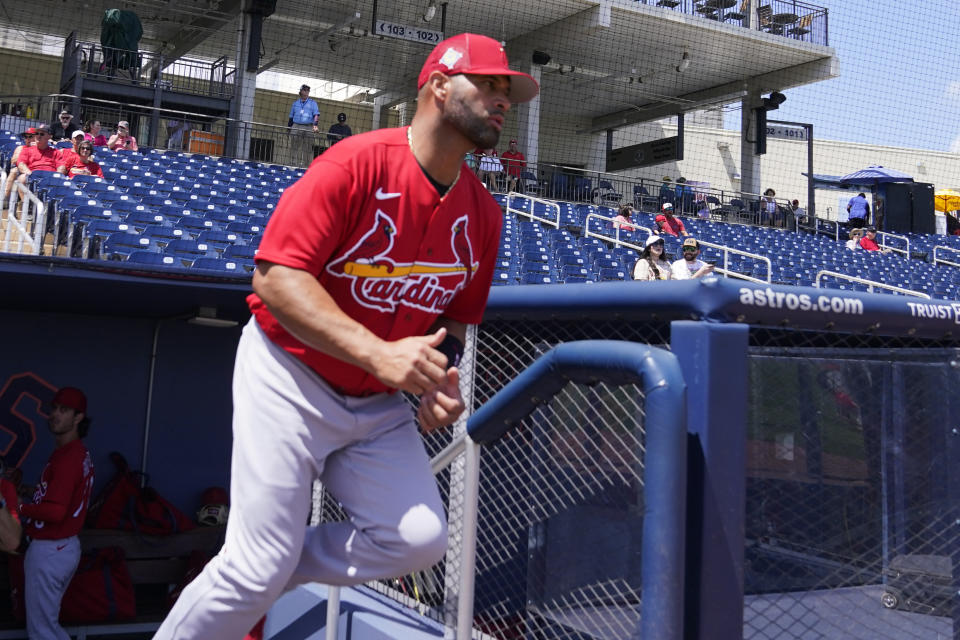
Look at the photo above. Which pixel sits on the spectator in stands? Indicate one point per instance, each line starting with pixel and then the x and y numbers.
pixel 64 127
pixel 854 242
pixel 14 159
pixel 953 224
pixel 690 266
pixel 683 195
pixel 703 209
pixel 91 130
pixel 10 529
pixel 858 211
pixel 304 116
pixel 175 130
pixel 798 212
pixel 667 223
pixel 67 156
pixel 869 241
pixel 489 168
pixel 516 164
pixel 339 130
pixel 623 221
pixel 652 264
pixel 122 138
pixel 666 191
pixel 83 162
pixel 768 207
pixel 40 157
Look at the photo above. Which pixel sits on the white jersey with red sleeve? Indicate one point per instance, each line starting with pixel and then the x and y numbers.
pixel 64 490
pixel 392 253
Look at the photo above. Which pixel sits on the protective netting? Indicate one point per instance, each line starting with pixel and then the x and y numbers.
pixel 851 531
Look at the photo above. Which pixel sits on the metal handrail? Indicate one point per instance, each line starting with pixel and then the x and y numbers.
pixel 870 283
pixel 725 269
pixel 937 260
pixel 28 201
pixel 883 242
pixel 550 204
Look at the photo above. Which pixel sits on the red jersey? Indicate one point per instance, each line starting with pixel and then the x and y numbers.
pixel 67 158
pixel 60 502
pixel 9 493
pixel 673 226
pixel 516 162
pixel 35 159
pixel 79 165
pixel 392 253
pixel 868 244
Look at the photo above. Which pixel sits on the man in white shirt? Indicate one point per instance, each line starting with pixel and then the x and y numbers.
pixel 690 266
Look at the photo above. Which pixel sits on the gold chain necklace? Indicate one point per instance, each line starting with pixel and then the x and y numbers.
pixel 410 143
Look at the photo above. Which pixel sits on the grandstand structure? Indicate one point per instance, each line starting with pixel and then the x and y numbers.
pixel 768 454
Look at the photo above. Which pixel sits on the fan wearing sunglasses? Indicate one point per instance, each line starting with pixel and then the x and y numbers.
pixel 83 162
pixel 690 266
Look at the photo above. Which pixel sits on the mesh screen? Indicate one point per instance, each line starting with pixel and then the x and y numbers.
pixel 850 533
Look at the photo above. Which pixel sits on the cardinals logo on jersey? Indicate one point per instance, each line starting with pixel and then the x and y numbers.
pixel 379 282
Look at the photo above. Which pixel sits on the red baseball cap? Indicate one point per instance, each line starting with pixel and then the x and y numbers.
pixel 477 55
pixel 71 398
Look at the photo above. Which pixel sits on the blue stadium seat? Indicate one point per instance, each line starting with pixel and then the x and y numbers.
pixel 240 252
pixel 162 235
pixel 536 278
pixel 219 240
pixel 152 258
pixel 612 273
pixel 142 218
pixel 186 251
pixel 219 264
pixel 121 244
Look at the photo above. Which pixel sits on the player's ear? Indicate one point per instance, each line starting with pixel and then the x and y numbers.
pixel 439 84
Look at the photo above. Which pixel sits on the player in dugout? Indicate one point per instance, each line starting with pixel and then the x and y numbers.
pixel 370 270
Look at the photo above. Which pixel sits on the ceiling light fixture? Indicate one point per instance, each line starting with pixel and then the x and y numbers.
pixel 431 11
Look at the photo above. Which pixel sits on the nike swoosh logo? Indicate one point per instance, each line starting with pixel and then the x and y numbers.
pixel 381 195
pixel 61 547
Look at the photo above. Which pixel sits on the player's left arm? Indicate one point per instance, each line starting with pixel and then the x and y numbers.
pixel 443 404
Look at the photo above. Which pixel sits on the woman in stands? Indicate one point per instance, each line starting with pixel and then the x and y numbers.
pixel 489 168
pixel 623 221
pixel 854 242
pixel 14 170
pixel 122 138
pixel 653 264
pixel 91 130
pixel 83 163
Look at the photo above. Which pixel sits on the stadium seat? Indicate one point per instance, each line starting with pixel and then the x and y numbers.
pixel 536 278
pixel 152 258
pixel 187 251
pixel 219 264
pixel 121 244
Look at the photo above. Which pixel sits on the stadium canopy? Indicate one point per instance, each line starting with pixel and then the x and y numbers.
pixel 874 175
pixel 611 63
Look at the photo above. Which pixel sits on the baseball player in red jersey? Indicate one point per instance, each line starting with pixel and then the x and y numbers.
pixel 369 271
pixel 56 516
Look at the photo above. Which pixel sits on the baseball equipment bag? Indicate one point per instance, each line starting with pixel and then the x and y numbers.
pixel 126 503
pixel 100 590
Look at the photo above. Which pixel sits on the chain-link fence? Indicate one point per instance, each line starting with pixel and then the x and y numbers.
pixel 850 527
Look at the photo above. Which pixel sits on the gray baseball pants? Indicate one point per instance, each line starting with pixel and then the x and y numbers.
pixel 290 427
pixel 47 569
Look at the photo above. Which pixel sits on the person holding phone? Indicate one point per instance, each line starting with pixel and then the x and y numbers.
pixel 122 138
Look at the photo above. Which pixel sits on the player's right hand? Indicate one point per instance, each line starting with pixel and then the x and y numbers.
pixel 412 364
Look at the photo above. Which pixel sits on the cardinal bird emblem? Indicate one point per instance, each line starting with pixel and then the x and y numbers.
pixel 380 282
pixel 370 249
pixel 461 248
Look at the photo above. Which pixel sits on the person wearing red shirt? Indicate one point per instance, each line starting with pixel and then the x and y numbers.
pixel 83 162
pixel 515 162
pixel 40 157
pixel 666 223
pixel 69 156
pixel 371 268
pixel 869 240
pixel 15 159
pixel 56 516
